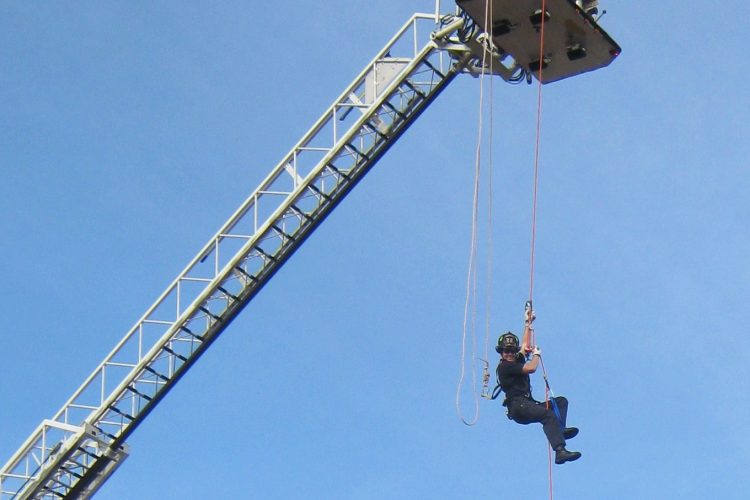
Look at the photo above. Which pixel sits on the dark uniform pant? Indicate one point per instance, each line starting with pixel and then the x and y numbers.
pixel 527 411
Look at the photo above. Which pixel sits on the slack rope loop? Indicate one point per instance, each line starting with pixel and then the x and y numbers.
pixel 471 278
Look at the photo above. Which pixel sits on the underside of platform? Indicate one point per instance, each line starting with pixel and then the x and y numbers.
pixel 574 43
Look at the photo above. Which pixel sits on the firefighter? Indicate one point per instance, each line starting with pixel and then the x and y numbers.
pixel 513 376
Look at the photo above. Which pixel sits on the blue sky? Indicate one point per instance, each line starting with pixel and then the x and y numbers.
pixel 129 132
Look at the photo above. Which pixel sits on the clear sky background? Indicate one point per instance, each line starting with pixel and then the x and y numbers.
pixel 130 131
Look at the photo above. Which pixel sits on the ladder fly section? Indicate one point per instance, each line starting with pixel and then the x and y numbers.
pixel 72 454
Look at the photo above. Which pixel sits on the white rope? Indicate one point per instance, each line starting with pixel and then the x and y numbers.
pixel 490 206
pixel 470 302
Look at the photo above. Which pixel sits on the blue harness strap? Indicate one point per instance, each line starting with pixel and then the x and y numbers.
pixel 551 399
pixel 556 409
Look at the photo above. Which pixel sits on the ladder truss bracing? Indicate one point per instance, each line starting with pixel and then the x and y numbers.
pixel 72 454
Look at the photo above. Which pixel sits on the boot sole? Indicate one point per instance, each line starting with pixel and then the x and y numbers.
pixel 575 457
pixel 571 434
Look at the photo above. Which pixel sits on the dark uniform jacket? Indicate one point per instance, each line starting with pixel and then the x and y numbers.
pixel 513 381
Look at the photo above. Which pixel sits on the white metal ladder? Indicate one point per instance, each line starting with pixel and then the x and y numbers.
pixel 74 452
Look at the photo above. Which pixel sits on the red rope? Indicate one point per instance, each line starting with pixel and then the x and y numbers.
pixel 549 449
pixel 534 206
pixel 536 154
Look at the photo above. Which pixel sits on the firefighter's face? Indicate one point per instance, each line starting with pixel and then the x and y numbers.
pixel 509 354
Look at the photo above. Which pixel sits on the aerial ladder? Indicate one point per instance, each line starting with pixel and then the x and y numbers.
pixel 73 453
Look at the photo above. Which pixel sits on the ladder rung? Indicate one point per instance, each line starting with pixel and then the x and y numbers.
pixel 245 273
pixel 415 89
pixel 433 68
pixel 321 193
pixel 189 332
pixel 342 174
pixel 205 310
pixel 151 370
pixel 281 231
pixel 226 292
pixel 139 393
pixel 50 490
pixel 66 469
pixel 267 255
pixel 375 129
pixel 120 412
pixel 303 214
pixel 395 110
pixel 173 353
pixel 360 153
pixel 87 452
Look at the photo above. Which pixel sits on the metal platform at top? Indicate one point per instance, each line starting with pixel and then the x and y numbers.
pixel 573 41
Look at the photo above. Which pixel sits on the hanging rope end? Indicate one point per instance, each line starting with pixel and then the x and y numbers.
pixel 485 379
